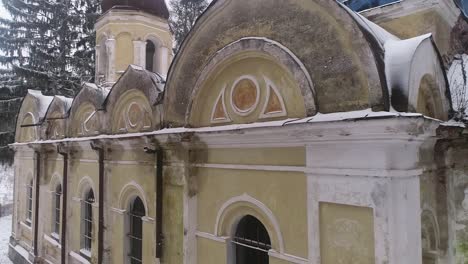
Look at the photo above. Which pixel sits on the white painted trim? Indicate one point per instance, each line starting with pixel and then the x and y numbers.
pixel 210 237
pixel 257 204
pixel 130 191
pixel 52 241
pixel 78 257
pixel 84 185
pixel 221 97
pixel 257 100
pixel 377 173
pixel 21 251
pixel 28 227
pixel 287 257
pixel 129 162
pixel 118 210
pixel 54 182
pixel 250 167
pixel 148 219
pixel 87 161
pixel 283 111
pixel 315 171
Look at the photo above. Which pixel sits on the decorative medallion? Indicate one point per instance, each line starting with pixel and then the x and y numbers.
pixel 245 95
pixel 134 115
pixel 219 113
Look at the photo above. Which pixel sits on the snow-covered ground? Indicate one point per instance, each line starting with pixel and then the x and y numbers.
pixel 6 184
pixel 5 232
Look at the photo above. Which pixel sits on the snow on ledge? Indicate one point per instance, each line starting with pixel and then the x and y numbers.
pixel 318 118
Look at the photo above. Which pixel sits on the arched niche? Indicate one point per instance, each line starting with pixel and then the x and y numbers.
pixel 429 100
pixel 123 51
pixel 248 81
pixel 132 113
pixel 429 237
pixel 102 60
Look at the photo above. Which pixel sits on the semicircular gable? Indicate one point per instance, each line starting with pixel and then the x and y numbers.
pixel 319 33
pixel 131 113
pixel 56 117
pixel 84 116
pixel 417 78
pixel 133 104
pixel 31 116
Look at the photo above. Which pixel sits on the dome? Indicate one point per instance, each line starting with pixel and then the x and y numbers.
pixel 155 7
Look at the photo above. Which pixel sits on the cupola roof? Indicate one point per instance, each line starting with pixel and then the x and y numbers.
pixel 155 7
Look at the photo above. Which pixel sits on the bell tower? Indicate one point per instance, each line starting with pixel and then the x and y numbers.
pixel 132 32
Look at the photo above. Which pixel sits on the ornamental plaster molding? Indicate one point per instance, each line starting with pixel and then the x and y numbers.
pixel 129 192
pixel 262 208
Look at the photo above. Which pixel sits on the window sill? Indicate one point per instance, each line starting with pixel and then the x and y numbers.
pixel 55 236
pixel 52 241
pixel 26 224
pixel 79 258
pixel 86 253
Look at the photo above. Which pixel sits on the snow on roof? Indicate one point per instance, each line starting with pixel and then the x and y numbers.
pixel 380 34
pixel 399 56
pixel 319 118
pixel 43 102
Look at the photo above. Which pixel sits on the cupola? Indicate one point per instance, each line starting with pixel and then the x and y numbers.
pixel 132 32
pixel 155 7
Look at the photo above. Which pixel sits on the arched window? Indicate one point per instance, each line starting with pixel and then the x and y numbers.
pixel 135 235
pixel 29 202
pixel 87 223
pixel 150 52
pixel 251 242
pixel 57 209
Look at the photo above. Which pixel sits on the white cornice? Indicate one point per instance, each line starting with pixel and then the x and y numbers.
pixel 127 16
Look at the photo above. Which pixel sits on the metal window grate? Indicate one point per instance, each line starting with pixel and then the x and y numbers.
pixel 87 221
pixel 135 235
pixel 29 192
pixel 251 241
pixel 57 209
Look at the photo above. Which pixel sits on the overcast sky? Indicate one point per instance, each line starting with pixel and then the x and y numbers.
pixel 4 14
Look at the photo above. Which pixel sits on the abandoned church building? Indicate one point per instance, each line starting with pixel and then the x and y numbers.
pixel 283 131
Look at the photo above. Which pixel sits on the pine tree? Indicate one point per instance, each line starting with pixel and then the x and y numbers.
pixel 47 45
pixel 184 14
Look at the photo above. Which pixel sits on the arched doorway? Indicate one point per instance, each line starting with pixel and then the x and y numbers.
pixel 251 242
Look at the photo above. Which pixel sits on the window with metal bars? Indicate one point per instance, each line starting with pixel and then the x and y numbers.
pixel 150 51
pixel 29 202
pixel 251 242
pixel 87 224
pixel 135 235
pixel 57 208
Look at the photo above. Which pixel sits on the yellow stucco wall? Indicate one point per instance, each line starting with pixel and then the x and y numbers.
pixel 210 251
pixel 416 24
pixel 288 204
